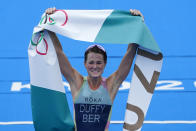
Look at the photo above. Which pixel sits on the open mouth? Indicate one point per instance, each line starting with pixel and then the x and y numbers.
pixel 95 71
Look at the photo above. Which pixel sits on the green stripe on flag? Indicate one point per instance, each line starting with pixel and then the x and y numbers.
pixel 50 110
pixel 123 28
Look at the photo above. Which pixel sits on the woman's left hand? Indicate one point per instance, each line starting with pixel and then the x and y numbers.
pixel 136 13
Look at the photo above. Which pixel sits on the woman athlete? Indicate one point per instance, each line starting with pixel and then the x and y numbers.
pixel 93 95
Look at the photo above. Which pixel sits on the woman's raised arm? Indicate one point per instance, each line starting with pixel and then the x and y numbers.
pixel 71 75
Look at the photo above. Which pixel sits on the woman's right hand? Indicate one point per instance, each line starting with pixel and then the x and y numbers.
pixel 50 11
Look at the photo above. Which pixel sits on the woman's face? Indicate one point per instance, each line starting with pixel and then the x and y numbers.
pixel 95 64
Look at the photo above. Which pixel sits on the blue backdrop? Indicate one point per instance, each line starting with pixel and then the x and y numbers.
pixel 172 24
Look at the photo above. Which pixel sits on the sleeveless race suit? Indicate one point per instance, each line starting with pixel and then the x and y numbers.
pixel 92 108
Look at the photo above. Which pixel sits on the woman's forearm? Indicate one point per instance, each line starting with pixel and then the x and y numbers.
pixel 56 42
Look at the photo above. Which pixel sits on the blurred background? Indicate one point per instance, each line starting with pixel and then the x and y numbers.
pixel 172 23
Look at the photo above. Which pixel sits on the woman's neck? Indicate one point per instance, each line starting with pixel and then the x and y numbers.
pixel 94 83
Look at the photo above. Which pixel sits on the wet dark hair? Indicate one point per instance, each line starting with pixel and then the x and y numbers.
pixel 96 49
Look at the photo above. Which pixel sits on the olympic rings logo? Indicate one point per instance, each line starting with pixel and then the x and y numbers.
pixel 40 38
pixel 51 21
